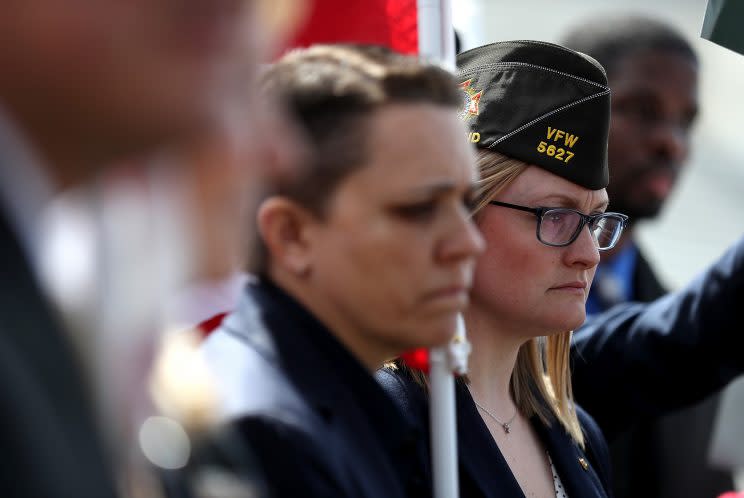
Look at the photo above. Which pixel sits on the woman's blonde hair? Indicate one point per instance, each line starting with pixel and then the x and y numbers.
pixel 541 380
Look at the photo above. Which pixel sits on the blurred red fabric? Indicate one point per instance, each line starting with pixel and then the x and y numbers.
pixel 210 324
pixel 392 23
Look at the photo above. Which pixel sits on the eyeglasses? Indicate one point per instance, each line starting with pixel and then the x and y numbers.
pixel 559 227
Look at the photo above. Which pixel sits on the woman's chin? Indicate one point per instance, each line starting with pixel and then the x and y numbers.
pixel 576 321
pixel 569 320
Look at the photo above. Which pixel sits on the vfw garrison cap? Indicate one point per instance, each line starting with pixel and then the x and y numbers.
pixel 540 103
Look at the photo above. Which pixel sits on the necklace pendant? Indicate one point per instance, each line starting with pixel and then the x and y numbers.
pixel 504 425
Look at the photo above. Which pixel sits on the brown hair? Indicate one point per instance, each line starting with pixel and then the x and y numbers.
pixel 331 91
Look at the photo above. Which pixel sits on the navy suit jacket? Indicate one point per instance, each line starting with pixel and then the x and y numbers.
pixel 646 359
pixel 635 362
pixel 483 470
pixel 317 421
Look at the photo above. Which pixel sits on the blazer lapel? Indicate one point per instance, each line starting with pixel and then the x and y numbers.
pixel 32 330
pixel 482 465
pixel 574 468
pixel 43 383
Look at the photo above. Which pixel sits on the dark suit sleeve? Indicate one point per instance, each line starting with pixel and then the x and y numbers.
pixel 641 360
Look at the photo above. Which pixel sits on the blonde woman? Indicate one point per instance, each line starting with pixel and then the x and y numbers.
pixel 539 115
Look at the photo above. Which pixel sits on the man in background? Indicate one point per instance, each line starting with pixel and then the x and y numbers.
pixel 85 85
pixel 653 75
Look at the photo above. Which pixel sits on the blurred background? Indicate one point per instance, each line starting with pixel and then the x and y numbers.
pixel 704 214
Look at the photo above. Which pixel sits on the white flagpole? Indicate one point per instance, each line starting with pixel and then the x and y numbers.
pixel 443 363
pixel 436 32
pixel 437 44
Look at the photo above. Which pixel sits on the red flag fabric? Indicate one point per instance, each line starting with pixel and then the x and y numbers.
pixel 392 23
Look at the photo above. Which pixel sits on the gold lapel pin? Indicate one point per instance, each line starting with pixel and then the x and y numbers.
pixel 584 463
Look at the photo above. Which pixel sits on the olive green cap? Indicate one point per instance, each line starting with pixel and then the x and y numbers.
pixel 541 103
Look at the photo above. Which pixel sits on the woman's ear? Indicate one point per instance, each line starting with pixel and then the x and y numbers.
pixel 283 225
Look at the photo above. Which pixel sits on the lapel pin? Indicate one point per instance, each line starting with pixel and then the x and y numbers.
pixel 584 463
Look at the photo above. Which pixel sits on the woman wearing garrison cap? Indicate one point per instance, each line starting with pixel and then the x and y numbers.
pixel 539 116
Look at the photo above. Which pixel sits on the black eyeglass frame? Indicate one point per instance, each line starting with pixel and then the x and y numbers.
pixel 586 219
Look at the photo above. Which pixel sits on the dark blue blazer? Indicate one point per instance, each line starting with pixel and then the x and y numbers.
pixel 657 359
pixel 652 455
pixel 483 470
pixel 315 418
pixel 645 359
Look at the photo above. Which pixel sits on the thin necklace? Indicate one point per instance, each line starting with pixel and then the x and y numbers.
pixel 504 425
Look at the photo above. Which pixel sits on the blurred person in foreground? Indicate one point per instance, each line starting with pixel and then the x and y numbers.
pixel 653 74
pixel 367 253
pixel 84 87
